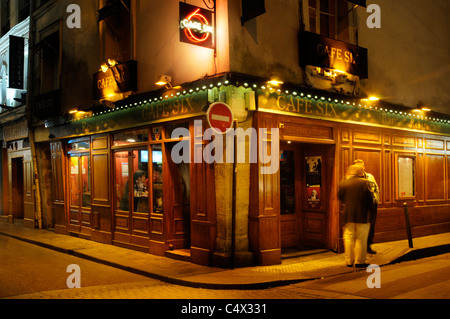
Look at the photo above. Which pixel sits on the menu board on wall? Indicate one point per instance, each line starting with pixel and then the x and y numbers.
pixel 313 168
pixel 406 177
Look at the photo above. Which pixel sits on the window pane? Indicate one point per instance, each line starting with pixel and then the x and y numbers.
pixel 121 178
pixel 125 138
pixel 74 182
pixel 312 20
pixel 287 176
pixel 324 6
pixel 140 181
pixel 79 146
pixel 86 180
pixel 157 179
pixel 325 25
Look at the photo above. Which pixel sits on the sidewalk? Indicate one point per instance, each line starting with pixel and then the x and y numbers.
pixel 292 270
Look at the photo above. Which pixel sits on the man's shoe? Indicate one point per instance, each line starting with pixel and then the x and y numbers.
pixel 371 251
pixel 361 265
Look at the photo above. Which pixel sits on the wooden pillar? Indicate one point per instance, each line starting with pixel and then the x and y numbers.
pixel 264 215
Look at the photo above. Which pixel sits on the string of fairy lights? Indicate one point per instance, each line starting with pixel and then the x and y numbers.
pixel 124 105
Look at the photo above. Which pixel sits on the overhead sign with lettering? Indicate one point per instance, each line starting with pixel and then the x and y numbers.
pixel 16 62
pixel 142 114
pixel 120 78
pixel 339 111
pixel 196 25
pixel 327 53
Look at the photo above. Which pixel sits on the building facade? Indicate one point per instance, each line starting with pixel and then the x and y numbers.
pixel 125 161
pixel 17 168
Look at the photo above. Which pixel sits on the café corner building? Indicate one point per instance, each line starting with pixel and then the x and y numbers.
pixel 183 209
pixel 115 178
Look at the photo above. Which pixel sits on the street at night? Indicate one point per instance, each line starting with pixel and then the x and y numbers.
pixel 279 152
pixel 34 272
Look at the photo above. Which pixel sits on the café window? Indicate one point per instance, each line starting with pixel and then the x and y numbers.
pixel 405 176
pixel 79 146
pixel 329 18
pixel 131 137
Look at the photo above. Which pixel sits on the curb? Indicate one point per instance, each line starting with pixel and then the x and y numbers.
pixel 413 254
pixel 420 253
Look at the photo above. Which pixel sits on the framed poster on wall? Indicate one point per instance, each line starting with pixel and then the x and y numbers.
pixel 313 174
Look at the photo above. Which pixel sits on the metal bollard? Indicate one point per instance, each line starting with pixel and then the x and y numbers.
pixel 408 226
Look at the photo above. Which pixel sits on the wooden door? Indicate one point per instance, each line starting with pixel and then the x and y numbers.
pixel 289 199
pixel 314 194
pixel 17 187
pixel 131 210
pixel 80 194
pixel 178 201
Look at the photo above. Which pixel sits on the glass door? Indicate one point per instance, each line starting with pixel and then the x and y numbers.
pixel 131 196
pixel 80 193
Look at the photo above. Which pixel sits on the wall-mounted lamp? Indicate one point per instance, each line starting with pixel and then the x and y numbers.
pixel 164 80
pixel 371 99
pixel 275 80
pixel 105 66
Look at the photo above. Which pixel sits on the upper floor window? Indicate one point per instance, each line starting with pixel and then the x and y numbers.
pixel 330 18
pixel 115 23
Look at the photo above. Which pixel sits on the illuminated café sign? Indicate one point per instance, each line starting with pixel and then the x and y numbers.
pixel 119 78
pixel 196 25
pixel 337 110
pixel 327 53
pixel 142 114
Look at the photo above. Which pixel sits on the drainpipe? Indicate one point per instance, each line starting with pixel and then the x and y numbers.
pixel 29 116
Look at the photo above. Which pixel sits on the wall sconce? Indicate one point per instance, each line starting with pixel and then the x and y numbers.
pixel 275 80
pixel 105 66
pixel 164 80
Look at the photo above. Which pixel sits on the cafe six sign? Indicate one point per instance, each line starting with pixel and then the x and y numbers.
pixel 196 25
pixel 327 53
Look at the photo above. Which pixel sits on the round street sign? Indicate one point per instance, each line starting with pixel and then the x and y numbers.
pixel 220 117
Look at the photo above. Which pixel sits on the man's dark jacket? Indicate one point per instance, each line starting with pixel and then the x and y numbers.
pixel 357 198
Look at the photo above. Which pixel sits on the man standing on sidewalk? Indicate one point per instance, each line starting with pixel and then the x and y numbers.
pixel 373 186
pixel 355 194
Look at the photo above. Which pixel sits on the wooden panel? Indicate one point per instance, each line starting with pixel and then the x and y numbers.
pixel 122 223
pixel 365 137
pixel 140 225
pixel 420 175
pixel 448 178
pixel 434 144
pixel 100 176
pixel 289 231
pixel 345 135
pixel 434 179
pixel 156 225
pixel 292 130
pixel 100 142
pixel 385 185
pixel 28 178
pixel 86 219
pixel 314 223
pixel 405 141
pixel 372 161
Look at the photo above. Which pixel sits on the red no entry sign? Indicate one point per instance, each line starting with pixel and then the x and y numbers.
pixel 220 117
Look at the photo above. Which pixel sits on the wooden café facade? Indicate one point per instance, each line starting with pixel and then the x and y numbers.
pixel 115 181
